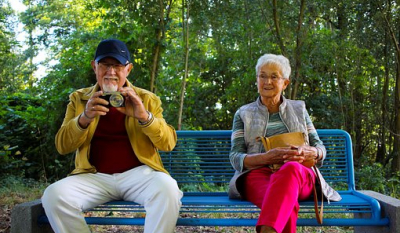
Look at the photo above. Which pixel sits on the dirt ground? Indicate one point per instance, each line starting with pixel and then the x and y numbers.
pixel 5 227
pixel 5 219
pixel 179 229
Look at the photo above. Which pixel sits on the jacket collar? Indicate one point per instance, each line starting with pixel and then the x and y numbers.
pixel 264 109
pixel 88 92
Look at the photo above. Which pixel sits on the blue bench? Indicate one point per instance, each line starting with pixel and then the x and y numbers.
pixel 201 166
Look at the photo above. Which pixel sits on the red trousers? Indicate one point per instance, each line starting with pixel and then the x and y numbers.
pixel 278 194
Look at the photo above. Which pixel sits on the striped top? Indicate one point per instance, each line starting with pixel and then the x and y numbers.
pixel 275 126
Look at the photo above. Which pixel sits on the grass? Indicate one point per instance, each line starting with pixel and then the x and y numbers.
pixel 15 190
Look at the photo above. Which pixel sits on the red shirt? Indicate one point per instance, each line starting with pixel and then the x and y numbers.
pixel 110 149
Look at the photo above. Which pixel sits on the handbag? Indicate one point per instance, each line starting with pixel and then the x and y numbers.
pixel 285 140
pixel 296 139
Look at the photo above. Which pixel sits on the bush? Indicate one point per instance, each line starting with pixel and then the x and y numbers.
pixel 28 124
pixel 374 177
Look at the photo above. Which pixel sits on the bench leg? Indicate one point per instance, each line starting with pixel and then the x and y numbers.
pixel 24 218
pixel 390 208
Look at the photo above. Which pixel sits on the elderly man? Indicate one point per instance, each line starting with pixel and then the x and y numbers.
pixel 116 130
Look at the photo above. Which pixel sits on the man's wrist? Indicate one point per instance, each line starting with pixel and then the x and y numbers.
pixel 86 116
pixel 82 122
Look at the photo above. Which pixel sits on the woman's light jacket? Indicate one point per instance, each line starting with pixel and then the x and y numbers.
pixel 253 119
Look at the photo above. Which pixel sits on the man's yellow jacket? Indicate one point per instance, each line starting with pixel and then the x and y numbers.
pixel 145 140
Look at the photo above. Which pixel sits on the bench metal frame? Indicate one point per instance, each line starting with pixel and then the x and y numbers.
pixel 200 164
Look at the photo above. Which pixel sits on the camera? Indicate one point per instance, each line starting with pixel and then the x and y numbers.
pixel 115 99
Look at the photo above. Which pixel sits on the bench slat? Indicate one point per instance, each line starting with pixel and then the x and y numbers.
pixel 200 162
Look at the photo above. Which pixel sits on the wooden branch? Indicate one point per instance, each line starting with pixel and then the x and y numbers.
pixel 277 27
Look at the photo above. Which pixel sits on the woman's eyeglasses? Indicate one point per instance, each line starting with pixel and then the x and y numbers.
pixel 273 78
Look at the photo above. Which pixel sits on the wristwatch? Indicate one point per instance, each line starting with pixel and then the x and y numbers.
pixel 149 118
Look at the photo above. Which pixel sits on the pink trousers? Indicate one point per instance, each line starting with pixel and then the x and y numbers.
pixel 278 194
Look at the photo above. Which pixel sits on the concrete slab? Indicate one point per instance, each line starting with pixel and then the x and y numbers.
pixel 24 218
pixel 390 207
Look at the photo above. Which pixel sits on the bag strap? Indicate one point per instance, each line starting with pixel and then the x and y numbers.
pixel 266 143
pixel 318 213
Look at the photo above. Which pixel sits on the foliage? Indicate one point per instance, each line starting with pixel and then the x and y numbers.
pixel 372 177
pixel 13 68
pixel 24 142
pixel 202 187
pixel 344 67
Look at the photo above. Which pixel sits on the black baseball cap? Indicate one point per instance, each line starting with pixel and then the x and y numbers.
pixel 113 48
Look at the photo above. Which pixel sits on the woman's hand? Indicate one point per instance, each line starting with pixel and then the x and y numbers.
pixel 274 156
pixel 279 155
pixel 305 154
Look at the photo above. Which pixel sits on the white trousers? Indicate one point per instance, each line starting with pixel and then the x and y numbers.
pixel 158 192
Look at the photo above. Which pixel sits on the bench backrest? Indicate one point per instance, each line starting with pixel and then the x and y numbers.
pixel 200 160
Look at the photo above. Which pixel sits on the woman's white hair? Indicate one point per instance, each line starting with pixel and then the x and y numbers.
pixel 279 60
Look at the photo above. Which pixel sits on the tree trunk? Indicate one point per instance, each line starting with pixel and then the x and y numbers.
pixel 341 82
pixel 277 27
pixel 396 143
pixel 356 123
pixel 297 56
pixel 160 35
pixel 279 38
pixel 381 150
pixel 156 55
pixel 186 41
pixel 249 30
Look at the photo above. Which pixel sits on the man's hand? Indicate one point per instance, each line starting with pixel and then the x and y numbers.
pixel 133 105
pixel 94 107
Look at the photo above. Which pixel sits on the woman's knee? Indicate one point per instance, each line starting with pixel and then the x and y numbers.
pixel 290 170
pixel 292 167
pixel 293 170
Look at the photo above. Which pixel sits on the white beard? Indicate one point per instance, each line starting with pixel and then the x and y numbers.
pixel 107 88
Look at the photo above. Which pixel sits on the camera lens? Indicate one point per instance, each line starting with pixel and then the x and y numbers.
pixel 116 100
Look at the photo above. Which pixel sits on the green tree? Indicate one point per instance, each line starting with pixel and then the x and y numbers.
pixel 12 65
pixel 343 54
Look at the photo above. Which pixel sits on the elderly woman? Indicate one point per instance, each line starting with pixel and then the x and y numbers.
pixel 276 193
